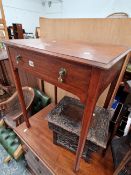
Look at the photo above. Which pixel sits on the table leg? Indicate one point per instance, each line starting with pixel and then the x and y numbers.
pixel 21 97
pixel 19 89
pixel 40 84
pixel 93 92
pixel 110 93
pixel 116 83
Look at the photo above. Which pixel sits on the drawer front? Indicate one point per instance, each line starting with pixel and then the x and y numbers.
pixel 36 165
pixel 75 78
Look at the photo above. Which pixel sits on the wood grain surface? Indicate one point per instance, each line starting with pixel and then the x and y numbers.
pixel 92 30
pixel 40 140
pixel 98 55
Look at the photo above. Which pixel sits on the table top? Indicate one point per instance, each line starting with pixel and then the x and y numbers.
pixel 98 55
pixel 3 54
pixel 39 139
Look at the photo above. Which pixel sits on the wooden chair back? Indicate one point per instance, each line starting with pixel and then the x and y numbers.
pixel 11 108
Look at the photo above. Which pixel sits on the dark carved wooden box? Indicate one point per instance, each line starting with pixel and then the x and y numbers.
pixel 65 121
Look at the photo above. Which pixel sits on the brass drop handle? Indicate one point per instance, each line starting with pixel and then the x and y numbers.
pixel 62 74
pixel 18 58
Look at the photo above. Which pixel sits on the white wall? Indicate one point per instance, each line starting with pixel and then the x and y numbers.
pixel 87 8
pixel 26 12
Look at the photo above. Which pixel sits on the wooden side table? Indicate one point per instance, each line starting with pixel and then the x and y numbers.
pixel 80 68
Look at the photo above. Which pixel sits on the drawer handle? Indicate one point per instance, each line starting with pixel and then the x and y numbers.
pixel 62 74
pixel 18 58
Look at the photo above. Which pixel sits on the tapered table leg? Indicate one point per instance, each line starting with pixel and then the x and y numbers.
pixel 116 83
pixel 19 89
pixel 110 93
pixel 93 92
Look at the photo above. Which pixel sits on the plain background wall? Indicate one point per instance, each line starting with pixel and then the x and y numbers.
pixel 86 8
pixel 26 12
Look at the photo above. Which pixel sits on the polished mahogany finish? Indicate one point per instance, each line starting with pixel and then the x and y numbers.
pixel 99 55
pixel 81 68
pixel 48 67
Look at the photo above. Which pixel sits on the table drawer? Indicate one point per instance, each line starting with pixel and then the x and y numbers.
pixel 75 78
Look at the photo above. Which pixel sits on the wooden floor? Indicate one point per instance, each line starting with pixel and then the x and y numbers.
pixel 60 161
